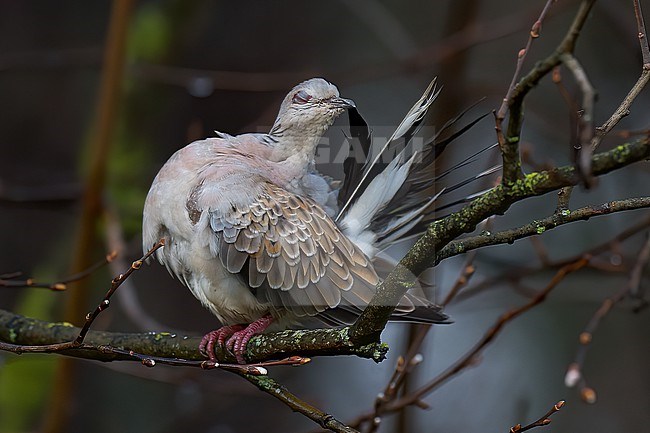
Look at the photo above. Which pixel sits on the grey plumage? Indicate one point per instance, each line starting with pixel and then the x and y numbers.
pixel 249 222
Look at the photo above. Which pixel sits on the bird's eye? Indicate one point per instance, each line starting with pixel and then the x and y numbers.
pixel 301 97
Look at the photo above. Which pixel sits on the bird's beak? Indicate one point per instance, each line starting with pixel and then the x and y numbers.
pixel 342 103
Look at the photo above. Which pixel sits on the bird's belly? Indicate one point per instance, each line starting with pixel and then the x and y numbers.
pixel 222 292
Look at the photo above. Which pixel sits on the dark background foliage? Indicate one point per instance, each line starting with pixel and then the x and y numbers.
pixel 193 67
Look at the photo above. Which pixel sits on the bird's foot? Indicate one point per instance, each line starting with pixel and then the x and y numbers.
pixel 239 339
pixel 233 337
pixel 217 337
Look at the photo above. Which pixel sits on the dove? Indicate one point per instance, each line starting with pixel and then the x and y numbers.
pixel 265 241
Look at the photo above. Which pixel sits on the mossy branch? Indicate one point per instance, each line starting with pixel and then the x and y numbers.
pixel 540 226
pixel 21 334
pixel 424 254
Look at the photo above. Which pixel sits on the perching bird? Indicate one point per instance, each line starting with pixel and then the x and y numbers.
pixel 255 231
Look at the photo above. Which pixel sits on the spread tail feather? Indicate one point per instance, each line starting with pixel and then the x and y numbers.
pixel 380 202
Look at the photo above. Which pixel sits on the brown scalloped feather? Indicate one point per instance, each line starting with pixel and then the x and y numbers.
pixel 288 249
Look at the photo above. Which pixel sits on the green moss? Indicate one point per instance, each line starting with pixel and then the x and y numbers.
pixel 621 153
pixel 267 384
pixel 378 351
pixel 529 184
pixel 57 324
pixel 160 335
pixel 381 351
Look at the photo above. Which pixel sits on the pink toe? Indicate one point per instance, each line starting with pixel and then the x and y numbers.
pixel 217 338
pixel 238 341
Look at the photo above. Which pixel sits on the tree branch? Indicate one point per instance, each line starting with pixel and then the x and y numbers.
pixel 514 275
pixel 469 358
pixel 21 334
pixel 273 388
pixel 574 375
pixel 11 280
pixel 362 339
pixel 624 108
pixel 495 201
pixel 543 421
pixel 585 120
pixel 538 227
pixel 509 143
pixel 643 35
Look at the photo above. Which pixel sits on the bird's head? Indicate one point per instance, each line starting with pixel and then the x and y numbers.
pixel 309 109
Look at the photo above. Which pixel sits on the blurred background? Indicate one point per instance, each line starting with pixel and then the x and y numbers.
pixel 78 153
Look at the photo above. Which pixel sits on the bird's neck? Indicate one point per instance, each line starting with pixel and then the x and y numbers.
pixel 296 143
pixel 295 147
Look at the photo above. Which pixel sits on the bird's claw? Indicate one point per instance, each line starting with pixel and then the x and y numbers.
pixel 217 338
pixel 234 338
pixel 237 342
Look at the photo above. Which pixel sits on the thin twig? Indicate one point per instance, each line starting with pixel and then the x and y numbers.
pixel 509 142
pixel 385 396
pixel 643 35
pixel 514 275
pixel 9 280
pixel 470 358
pixel 574 375
pixel 115 284
pixel 90 317
pixel 624 108
pixel 258 369
pixel 398 380
pixel 542 68
pixel 273 388
pixel 128 297
pixel 543 421
pixel 539 227
pixel 583 151
pixel 521 57
pixel 574 111
pixel 563 198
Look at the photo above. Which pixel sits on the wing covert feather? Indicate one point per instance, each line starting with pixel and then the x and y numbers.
pixel 291 253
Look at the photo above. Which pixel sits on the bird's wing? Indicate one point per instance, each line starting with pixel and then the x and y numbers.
pixel 291 254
